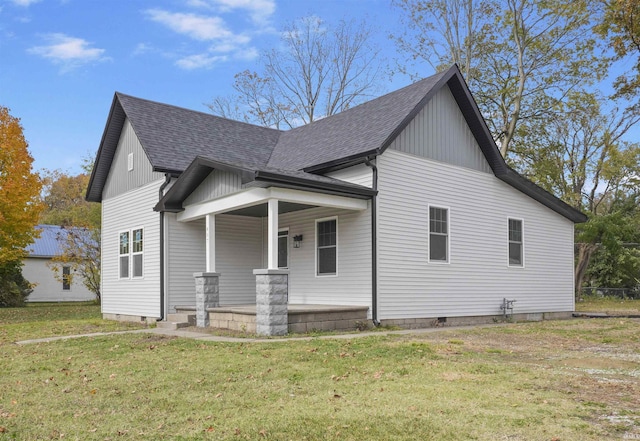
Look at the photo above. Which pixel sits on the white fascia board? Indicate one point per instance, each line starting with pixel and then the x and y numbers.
pixel 256 196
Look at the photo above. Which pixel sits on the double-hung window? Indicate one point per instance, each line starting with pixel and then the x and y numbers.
pixel 131 253
pixel 327 247
pixel 124 255
pixel 137 252
pixel 438 234
pixel 516 254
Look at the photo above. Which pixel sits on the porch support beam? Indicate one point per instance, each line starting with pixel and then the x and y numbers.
pixel 256 196
pixel 210 245
pixel 272 233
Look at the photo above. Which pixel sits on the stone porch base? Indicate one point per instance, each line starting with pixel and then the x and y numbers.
pixel 302 318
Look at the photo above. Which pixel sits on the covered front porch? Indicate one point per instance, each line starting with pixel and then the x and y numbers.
pixel 286 242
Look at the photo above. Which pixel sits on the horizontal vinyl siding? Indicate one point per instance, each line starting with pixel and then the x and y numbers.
pixel 440 132
pixel 477 277
pixel 185 255
pixel 352 285
pixel 218 183
pixel 238 253
pixel 47 288
pixel 140 297
pixel 358 174
pixel 120 179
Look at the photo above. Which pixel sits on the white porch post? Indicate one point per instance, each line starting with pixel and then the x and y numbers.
pixel 210 244
pixel 272 232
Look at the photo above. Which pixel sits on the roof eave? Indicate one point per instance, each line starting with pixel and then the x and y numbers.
pixel 117 117
pixel 334 188
pixel 538 193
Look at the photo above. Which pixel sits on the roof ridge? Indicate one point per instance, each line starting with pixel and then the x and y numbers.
pixel 121 94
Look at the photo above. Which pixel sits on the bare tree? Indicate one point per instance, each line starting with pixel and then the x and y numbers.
pixel 319 71
pixel 520 57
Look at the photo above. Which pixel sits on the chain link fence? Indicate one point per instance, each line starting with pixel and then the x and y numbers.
pixel 622 293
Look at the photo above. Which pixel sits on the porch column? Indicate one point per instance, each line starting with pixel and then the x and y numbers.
pixel 207 296
pixel 210 243
pixel 272 287
pixel 272 234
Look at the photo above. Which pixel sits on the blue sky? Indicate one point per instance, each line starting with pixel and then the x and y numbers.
pixel 62 60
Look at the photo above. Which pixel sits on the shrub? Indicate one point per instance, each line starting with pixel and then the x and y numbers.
pixel 14 288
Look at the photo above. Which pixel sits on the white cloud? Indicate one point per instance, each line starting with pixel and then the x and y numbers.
pixel 198 27
pixel 70 52
pixel 259 10
pixel 24 3
pixel 200 61
pixel 248 54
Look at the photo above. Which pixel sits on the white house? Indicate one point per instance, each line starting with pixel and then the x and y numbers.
pixel 37 269
pixel 401 206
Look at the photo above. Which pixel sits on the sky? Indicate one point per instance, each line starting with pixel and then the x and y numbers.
pixel 62 60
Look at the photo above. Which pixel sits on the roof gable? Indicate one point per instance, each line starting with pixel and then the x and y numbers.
pixel 172 137
pixel 356 132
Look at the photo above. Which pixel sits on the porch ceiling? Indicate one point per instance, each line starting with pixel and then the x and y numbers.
pixel 262 209
pixel 250 201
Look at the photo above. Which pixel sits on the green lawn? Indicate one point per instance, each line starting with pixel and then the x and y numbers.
pixel 611 305
pixel 561 380
pixel 38 320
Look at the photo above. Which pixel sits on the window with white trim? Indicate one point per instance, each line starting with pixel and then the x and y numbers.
pixel 283 249
pixel 516 255
pixel 438 234
pixel 124 255
pixel 327 247
pixel 137 252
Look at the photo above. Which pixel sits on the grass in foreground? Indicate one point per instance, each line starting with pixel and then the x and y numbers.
pixel 565 380
pixel 39 320
pixel 610 305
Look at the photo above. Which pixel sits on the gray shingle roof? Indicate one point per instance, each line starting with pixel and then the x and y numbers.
pixel 172 136
pixel 358 130
pixel 175 138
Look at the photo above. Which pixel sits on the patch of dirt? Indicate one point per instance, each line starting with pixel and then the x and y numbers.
pixel 599 363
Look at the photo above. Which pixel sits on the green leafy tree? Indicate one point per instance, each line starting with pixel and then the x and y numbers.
pixel 581 157
pixel 621 24
pixel 14 288
pixel 318 70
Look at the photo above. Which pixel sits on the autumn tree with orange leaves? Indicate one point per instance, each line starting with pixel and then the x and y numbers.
pixel 19 207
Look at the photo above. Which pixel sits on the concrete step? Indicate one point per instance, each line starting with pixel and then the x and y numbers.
pixel 182 317
pixel 172 325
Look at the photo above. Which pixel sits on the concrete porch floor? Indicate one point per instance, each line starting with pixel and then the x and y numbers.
pixel 302 318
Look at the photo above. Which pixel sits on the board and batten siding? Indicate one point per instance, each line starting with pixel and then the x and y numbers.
pixel 131 210
pixel 184 255
pixel 352 285
pixel 440 132
pixel 477 277
pixel 358 174
pixel 218 183
pixel 121 179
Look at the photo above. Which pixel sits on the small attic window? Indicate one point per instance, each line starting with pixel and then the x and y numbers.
pixel 130 162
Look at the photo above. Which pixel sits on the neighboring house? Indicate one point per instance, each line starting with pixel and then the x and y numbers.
pixel 37 270
pixel 402 205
